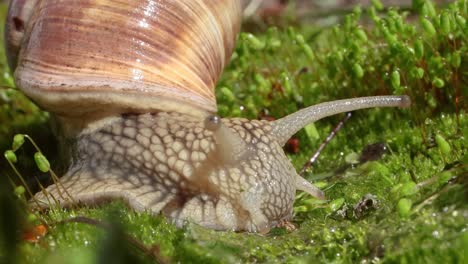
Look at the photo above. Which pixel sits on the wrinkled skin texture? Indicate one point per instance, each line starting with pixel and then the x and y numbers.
pixel 224 174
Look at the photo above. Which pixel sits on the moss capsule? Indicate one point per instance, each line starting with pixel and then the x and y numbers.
pixel 377 4
pixel 19 190
pixel 428 9
pixel 408 189
pixel 395 79
pixel 417 73
pixel 404 207
pixel 442 144
pixel 32 218
pixel 18 141
pixel 428 27
pixel 311 131
pixel 456 59
pixel 445 24
pixel 254 42
pixel 41 162
pixel 11 156
pixel 336 204
pixel 437 82
pixel 361 35
pixel 419 49
pixel 460 21
pixel 227 94
pixel 304 46
pixel 358 71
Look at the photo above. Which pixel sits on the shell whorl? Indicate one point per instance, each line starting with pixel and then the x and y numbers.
pixel 95 56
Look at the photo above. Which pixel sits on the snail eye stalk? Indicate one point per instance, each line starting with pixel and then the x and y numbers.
pixel 286 127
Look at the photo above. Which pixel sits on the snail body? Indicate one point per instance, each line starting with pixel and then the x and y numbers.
pixel 132 84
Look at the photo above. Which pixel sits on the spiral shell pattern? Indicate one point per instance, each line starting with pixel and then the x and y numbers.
pixel 105 56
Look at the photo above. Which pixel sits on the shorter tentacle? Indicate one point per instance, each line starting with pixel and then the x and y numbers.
pixel 303 185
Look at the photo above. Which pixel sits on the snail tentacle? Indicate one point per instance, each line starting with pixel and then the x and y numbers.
pixel 287 126
pixel 303 185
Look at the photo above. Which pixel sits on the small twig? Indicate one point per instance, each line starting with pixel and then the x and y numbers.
pixel 252 8
pixel 431 198
pixel 332 134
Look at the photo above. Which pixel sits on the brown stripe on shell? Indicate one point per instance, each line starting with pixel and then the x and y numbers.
pixel 160 50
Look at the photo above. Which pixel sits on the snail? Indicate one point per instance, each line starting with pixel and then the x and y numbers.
pixel 131 84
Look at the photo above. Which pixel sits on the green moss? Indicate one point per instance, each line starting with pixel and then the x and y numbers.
pixel 279 71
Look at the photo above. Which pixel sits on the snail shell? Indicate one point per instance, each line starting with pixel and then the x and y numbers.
pixel 87 56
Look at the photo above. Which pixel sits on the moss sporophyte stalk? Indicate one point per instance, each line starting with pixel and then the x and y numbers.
pixel 409 205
